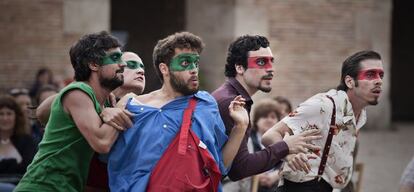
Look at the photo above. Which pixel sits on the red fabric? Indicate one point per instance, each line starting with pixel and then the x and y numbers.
pixel 98 175
pixel 184 165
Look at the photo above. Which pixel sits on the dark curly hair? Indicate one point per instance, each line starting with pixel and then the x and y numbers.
pixel 239 49
pixel 351 66
pixel 164 51
pixel 90 49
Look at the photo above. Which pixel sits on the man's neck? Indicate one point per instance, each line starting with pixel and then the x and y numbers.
pixel 120 92
pixel 357 104
pixel 250 90
pixel 101 93
pixel 160 97
pixel 168 93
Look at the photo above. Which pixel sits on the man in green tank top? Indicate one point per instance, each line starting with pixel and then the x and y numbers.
pixel 75 129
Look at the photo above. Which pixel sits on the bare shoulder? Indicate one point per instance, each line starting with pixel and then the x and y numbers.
pixel 76 99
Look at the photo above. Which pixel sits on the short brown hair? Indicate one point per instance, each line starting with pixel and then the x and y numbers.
pixel 262 109
pixel 7 101
pixel 164 51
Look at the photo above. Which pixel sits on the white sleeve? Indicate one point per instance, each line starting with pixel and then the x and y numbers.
pixel 312 114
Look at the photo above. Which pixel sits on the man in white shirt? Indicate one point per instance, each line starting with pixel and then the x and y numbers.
pixel 360 86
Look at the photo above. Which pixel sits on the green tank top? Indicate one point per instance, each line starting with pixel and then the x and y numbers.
pixel 62 162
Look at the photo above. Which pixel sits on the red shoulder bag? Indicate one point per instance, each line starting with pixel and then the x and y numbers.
pixel 186 165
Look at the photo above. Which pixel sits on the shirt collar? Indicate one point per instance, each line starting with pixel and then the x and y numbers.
pixel 346 107
pixel 239 88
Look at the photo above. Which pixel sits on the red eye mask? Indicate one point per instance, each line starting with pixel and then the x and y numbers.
pixel 371 74
pixel 259 62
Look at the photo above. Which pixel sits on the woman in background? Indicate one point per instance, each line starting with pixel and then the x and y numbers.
pixel 266 113
pixel 16 147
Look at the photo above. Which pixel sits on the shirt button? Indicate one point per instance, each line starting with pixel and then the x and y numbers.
pixel 160 110
pixel 165 126
pixel 142 108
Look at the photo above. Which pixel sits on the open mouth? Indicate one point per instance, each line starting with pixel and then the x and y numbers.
pixel 376 91
pixel 140 78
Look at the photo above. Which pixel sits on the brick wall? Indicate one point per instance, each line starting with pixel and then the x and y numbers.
pixel 34 34
pixel 311 39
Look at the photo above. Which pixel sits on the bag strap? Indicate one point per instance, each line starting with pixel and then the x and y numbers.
pixel 325 153
pixel 185 126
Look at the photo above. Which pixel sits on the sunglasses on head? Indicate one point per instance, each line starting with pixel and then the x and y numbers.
pixel 19 91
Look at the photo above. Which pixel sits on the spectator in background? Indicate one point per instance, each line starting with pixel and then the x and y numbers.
pixel 407 179
pixel 44 92
pixel 284 105
pixel 16 147
pixel 266 113
pixel 44 76
pixel 21 95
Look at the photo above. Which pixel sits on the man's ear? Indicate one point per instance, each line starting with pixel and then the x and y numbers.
pixel 349 82
pixel 239 69
pixel 163 69
pixel 93 66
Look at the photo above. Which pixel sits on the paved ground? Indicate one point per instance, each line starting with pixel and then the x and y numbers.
pixel 384 155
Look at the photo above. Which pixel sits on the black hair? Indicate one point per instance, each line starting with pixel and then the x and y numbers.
pixel 90 49
pixel 239 49
pixel 352 65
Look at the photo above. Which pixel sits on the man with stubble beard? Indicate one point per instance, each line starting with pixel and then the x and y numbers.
pixel 158 118
pixel 75 129
pixel 338 114
pixel 249 69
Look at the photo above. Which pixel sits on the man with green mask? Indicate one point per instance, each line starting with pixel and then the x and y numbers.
pixel 78 123
pixel 158 117
pixel 134 84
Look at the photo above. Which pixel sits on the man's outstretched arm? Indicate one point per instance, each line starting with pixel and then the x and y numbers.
pixel 247 164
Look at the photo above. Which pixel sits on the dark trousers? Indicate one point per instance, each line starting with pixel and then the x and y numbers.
pixel 308 186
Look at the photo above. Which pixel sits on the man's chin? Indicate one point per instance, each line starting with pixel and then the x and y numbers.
pixel 374 102
pixel 190 91
pixel 265 89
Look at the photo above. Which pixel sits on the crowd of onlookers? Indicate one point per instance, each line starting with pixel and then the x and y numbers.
pixel 20 132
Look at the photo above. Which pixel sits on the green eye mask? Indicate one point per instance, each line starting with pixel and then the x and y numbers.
pixel 112 58
pixel 134 65
pixel 185 62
